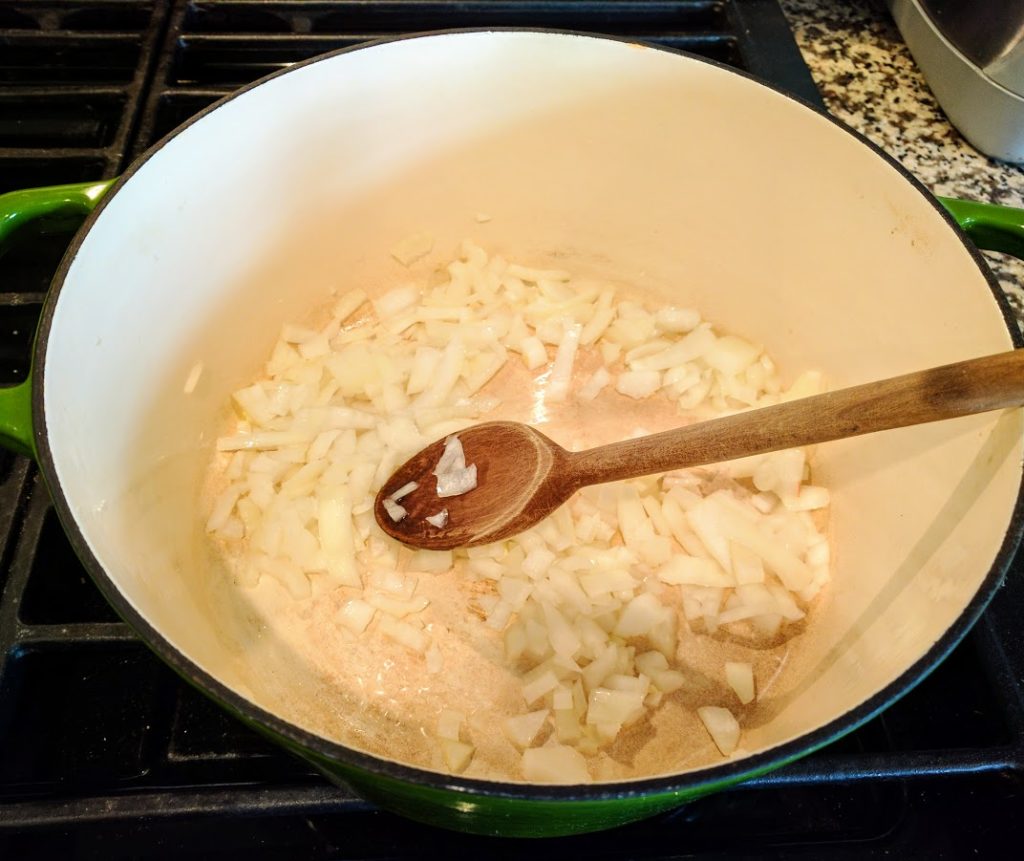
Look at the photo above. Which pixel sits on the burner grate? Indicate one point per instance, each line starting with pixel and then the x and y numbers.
pixel 71 79
pixel 213 47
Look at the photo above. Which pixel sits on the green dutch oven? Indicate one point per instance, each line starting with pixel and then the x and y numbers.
pixel 608 156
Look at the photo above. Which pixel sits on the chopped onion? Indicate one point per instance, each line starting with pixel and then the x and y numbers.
pixel 561 370
pixel 676 320
pixel 607 706
pixel 453 476
pixel 740 677
pixel 638 384
pixel 449 723
pixel 639 616
pixel 457 754
pixel 523 729
pixel 404 490
pixel 394 510
pixel 571 599
pixel 438 520
pixel 555 764
pixel 356 615
pixel 692 571
pixel 534 352
pixel 721 726
pixel 543 684
pixel 455 482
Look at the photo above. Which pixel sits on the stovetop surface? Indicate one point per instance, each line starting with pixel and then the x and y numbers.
pixel 105 753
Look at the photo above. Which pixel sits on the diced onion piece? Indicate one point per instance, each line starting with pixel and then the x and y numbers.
pixel 639 616
pixel 457 754
pixel 599 583
pixel 705 520
pixel 537 562
pixel 555 764
pixel 785 603
pixel 747 566
pixel 337 541
pixel 567 726
pixel 394 510
pixel 404 490
pixel 356 615
pixel 561 370
pixel 223 507
pixel 564 639
pixel 721 726
pixel 453 456
pixel 449 722
pixel 562 699
pixel 809 498
pixel 781 471
pixel 538 687
pixel 649 663
pixel 607 706
pixel 668 681
pixel 448 371
pixel 807 384
pixel 676 320
pixel 424 365
pixel 347 304
pixel 515 642
pixel 730 354
pixel 595 383
pixel 740 677
pixel 453 476
pixel 456 482
pixel 638 384
pixel 692 571
pixel 664 635
pixel 523 729
pixel 439 520
pixel 690 347
pixel 794 574
pixel 534 352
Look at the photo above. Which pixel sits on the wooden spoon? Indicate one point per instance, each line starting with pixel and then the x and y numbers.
pixel 522 476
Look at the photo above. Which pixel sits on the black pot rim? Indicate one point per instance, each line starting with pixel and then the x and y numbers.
pixel 707 778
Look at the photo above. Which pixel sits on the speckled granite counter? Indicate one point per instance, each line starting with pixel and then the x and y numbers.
pixel 869 80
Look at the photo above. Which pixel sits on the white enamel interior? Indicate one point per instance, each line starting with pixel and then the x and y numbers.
pixel 666 172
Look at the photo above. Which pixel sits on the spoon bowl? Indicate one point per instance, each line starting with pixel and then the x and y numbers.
pixel 522 476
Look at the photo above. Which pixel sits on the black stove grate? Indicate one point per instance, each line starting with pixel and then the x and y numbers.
pixel 105 753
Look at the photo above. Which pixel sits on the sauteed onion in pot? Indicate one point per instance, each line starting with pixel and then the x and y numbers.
pixel 568 653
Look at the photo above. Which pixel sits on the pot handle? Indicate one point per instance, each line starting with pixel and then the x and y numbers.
pixel 56 207
pixel 990 226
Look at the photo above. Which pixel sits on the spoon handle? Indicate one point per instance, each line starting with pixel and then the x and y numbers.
pixel 964 388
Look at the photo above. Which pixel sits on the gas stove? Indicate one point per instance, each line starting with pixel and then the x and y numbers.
pixel 104 752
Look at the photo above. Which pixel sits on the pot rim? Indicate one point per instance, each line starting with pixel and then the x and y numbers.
pixel 706 778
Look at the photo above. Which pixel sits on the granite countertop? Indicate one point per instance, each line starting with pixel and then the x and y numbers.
pixel 868 79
